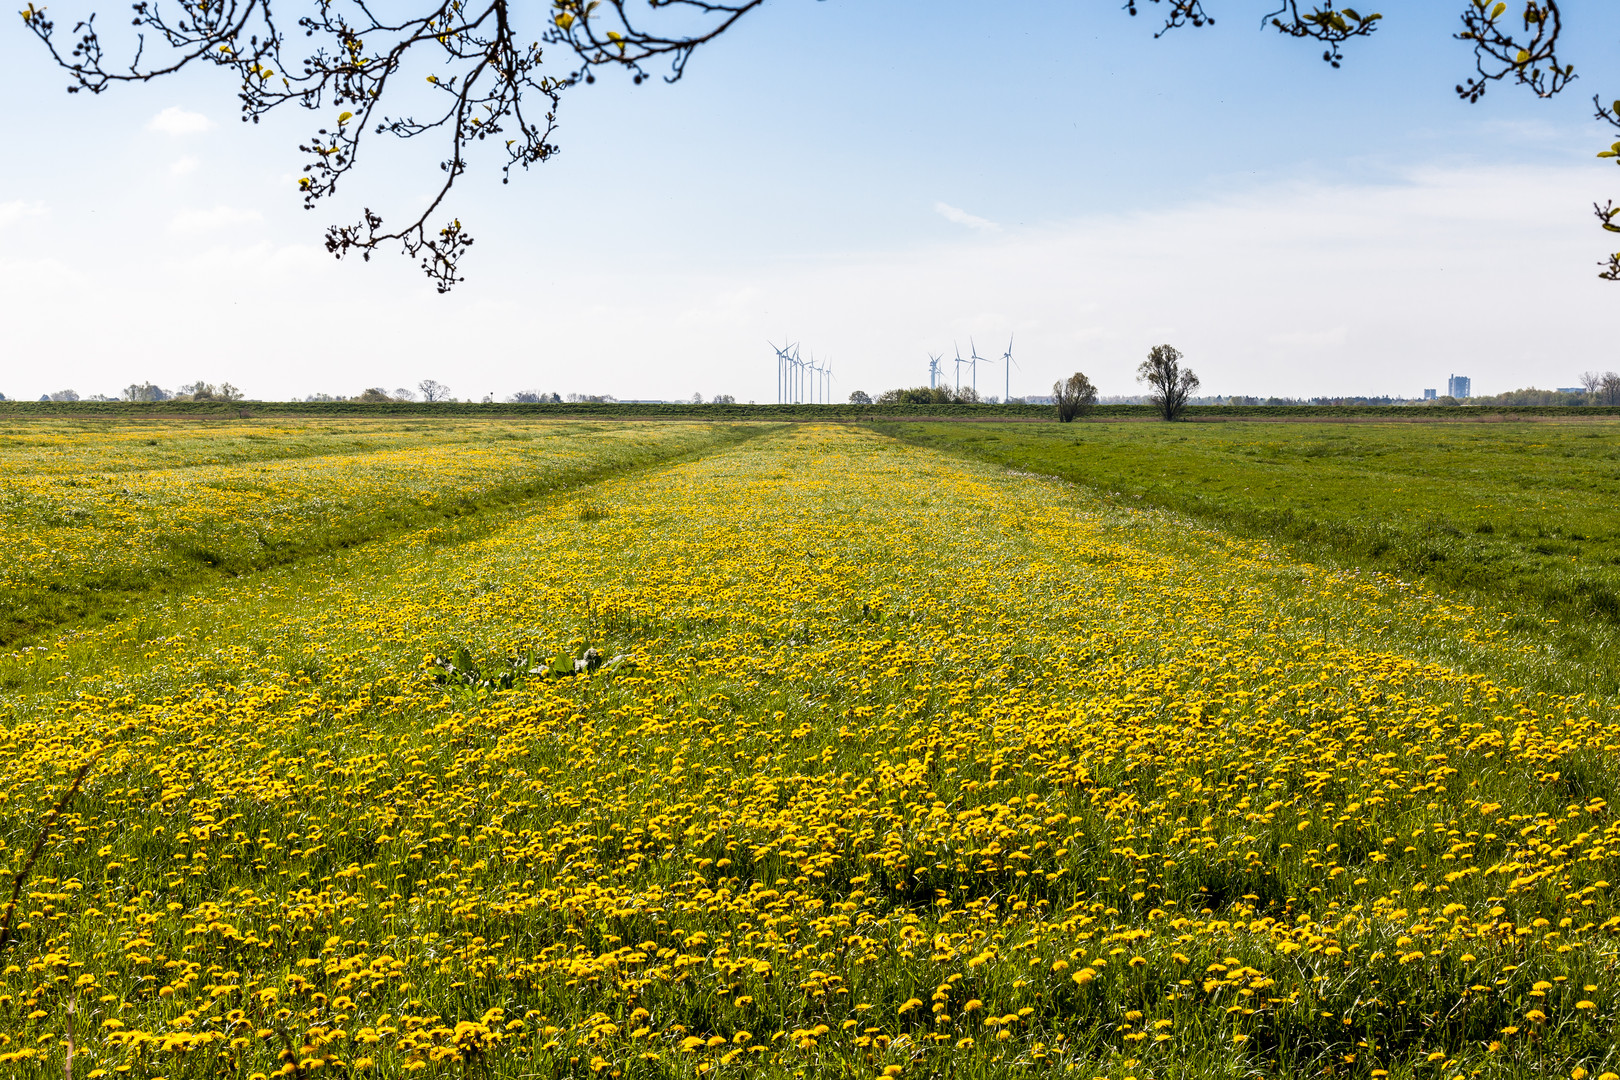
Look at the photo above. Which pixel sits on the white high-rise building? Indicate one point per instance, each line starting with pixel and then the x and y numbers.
pixel 1459 386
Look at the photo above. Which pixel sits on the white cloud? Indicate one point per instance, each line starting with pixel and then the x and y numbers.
pixel 1333 338
pixel 220 217
pixel 957 215
pixel 18 210
pixel 723 309
pixel 252 266
pixel 176 121
pixel 182 166
pixel 1291 289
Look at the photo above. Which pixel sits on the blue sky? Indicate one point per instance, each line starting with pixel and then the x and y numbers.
pixel 874 178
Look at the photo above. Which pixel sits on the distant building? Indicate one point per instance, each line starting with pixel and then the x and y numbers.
pixel 1572 389
pixel 1430 395
pixel 1459 386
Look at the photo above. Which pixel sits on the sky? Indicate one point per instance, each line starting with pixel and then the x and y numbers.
pixel 876 180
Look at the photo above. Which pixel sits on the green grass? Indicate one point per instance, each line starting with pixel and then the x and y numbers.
pixel 1514 518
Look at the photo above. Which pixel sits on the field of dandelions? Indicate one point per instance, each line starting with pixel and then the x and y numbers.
pixel 801 752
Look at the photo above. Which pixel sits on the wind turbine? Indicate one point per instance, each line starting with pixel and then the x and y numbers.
pixel 935 370
pixel 785 363
pixel 974 360
pixel 958 366
pixel 1008 363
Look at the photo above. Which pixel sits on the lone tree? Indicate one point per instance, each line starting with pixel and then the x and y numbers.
pixel 1073 396
pixel 490 90
pixel 1172 384
pixel 432 390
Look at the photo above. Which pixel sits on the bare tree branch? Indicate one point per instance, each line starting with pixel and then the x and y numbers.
pixel 1530 57
pixel 1608 212
pixel 1333 27
pixel 1181 13
pixel 612 32
pixel 494 86
pixel 491 85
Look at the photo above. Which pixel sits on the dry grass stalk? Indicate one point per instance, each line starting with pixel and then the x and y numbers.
pixel 39 844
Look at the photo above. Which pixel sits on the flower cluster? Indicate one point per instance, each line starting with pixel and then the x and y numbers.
pixel 130 505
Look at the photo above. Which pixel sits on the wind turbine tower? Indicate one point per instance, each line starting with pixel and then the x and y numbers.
pixel 935 370
pixel 974 360
pixel 784 371
pixel 791 375
pixel 1007 366
pixel 958 367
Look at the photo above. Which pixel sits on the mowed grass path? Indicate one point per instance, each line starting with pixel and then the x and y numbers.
pixel 895 765
pixel 1516 517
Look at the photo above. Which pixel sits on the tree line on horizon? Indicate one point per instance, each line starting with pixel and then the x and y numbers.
pixel 1170 391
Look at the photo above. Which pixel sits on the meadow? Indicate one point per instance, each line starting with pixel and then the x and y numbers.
pixel 1514 518
pixel 805 753
pixel 98 513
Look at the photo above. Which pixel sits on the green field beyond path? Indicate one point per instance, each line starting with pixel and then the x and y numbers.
pixel 1520 518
